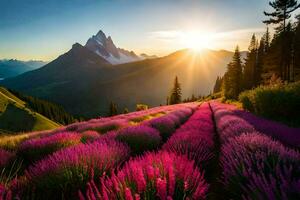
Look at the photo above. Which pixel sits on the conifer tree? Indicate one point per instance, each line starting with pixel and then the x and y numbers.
pixel 296 55
pixel 267 40
pixel 261 52
pixel 175 96
pixel 232 84
pixel 113 110
pixel 283 10
pixel 218 85
pixel 250 65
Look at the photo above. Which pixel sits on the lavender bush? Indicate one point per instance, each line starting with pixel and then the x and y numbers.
pixel 34 149
pixel 140 138
pixel 68 170
pixel 153 176
pixel 194 138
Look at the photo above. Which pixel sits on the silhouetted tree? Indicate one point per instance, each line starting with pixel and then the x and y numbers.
pixel 113 109
pixel 168 101
pixel 250 64
pixel 232 84
pixel 283 10
pixel 261 52
pixel 296 56
pixel 218 85
pixel 267 40
pixel 175 96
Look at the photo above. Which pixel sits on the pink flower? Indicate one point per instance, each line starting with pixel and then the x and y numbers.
pixel 128 195
pixel 161 187
pixel 136 176
pixel 5 157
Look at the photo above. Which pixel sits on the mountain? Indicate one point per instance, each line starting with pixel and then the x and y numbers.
pixel 145 56
pixel 85 83
pixel 13 67
pixel 15 116
pixel 105 47
pixel 35 64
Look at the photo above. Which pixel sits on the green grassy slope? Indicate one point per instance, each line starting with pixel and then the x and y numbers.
pixel 15 117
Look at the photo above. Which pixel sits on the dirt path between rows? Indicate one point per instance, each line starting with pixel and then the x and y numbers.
pixel 216 191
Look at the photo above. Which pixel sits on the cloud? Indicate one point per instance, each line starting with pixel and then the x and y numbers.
pixel 175 34
pixel 218 40
pixel 166 35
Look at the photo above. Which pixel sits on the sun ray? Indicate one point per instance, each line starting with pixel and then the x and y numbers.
pixel 197 40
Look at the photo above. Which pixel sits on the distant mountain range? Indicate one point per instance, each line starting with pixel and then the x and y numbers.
pixel 13 67
pixel 85 80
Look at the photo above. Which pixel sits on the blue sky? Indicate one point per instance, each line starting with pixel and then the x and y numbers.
pixel 38 29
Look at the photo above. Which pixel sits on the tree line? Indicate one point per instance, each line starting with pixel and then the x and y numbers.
pixel 272 58
pixel 50 110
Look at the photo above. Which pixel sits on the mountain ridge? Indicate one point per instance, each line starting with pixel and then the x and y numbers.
pixel 85 83
pixel 14 67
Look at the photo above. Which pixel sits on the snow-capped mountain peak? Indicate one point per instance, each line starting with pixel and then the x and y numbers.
pixel 105 47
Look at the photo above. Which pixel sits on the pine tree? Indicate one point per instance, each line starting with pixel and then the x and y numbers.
pixel 249 71
pixel 232 84
pixel 218 85
pixel 283 12
pixel 175 96
pixel 113 110
pixel 267 40
pixel 296 55
pixel 261 52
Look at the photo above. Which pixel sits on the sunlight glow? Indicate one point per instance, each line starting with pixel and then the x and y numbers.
pixel 197 40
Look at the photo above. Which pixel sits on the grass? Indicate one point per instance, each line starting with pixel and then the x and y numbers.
pixel 106 128
pixel 16 117
pixel 10 142
pixel 238 104
pixel 137 120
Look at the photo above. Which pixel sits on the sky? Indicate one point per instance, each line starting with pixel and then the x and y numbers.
pixel 43 30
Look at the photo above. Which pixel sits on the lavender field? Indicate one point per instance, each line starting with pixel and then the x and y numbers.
pixel 203 150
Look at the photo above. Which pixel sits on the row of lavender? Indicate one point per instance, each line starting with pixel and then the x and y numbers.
pixel 39 144
pixel 254 165
pixel 175 172
pixel 98 125
pixel 66 171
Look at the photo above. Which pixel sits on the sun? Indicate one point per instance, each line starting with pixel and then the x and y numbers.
pixel 197 40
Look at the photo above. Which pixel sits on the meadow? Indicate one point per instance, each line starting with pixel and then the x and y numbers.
pixel 205 150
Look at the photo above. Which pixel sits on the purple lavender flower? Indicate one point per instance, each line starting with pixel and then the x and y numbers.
pixel 68 170
pixel 164 175
pixel 5 157
pixel 254 165
pixel 288 135
pixel 140 138
pixel 164 125
pixel 34 149
pixel 5 194
pixel 89 136
pixel 195 137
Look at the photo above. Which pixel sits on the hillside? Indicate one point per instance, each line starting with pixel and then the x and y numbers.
pixel 16 117
pixel 85 84
pixel 195 143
